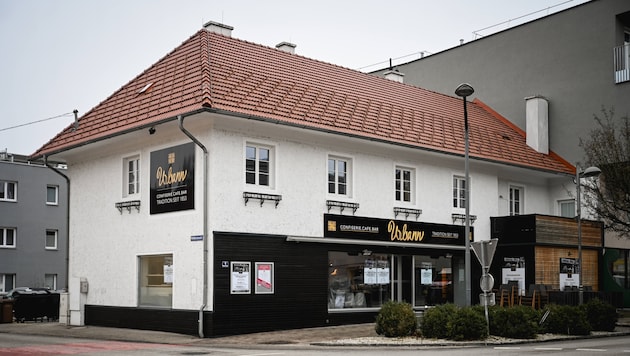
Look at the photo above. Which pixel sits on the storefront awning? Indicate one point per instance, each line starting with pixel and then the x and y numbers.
pixel 324 240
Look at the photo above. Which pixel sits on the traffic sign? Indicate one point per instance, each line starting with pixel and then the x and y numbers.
pixel 484 250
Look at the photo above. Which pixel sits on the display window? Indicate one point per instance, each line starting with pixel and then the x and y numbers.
pixel 433 281
pixel 358 280
pixel 156 280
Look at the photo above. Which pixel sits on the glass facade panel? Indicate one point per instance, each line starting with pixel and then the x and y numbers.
pixel 358 281
pixel 433 281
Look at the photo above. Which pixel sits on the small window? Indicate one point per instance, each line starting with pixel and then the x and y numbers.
pixel 50 281
pixel 258 165
pixel 516 200
pixel 459 192
pixel 51 239
pixel 156 280
pixel 339 176
pixel 403 182
pixel 131 171
pixel 8 191
pixel 52 195
pixel 7 237
pixel 7 282
pixel 567 208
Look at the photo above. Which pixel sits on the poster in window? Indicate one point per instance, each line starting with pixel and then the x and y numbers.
pixel 168 274
pixel 426 276
pixel 172 177
pixel 369 272
pixel 240 279
pixel 513 270
pixel 382 272
pixel 264 278
pixel 569 273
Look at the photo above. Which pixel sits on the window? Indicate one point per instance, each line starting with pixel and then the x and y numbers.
pixel 403 184
pixel 50 281
pixel 258 167
pixel 52 195
pixel 459 192
pixel 51 239
pixel 8 191
pixel 7 282
pixel 131 171
pixel 567 208
pixel 156 280
pixel 338 176
pixel 358 281
pixel 516 200
pixel 7 237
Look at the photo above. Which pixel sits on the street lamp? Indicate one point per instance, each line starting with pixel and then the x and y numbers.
pixel 464 90
pixel 587 173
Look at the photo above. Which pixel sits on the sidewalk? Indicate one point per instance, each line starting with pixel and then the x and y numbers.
pixel 346 335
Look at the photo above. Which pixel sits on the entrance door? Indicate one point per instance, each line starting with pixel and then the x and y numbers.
pixel 432 281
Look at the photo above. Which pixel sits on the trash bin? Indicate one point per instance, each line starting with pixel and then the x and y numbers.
pixel 6 311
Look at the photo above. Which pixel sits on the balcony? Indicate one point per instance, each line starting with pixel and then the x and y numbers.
pixel 621 58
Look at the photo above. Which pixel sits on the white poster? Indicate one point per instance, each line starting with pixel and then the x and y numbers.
pixel 168 274
pixel 382 272
pixel 426 276
pixel 264 277
pixel 240 281
pixel 569 273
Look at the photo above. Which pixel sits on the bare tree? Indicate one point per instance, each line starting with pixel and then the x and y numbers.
pixel 608 148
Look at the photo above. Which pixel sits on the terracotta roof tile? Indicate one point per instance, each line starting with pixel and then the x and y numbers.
pixel 212 70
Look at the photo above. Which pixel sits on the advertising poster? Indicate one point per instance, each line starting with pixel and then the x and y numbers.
pixel 382 272
pixel 264 277
pixel 240 279
pixel 569 273
pixel 172 177
pixel 369 272
pixel 514 271
pixel 426 276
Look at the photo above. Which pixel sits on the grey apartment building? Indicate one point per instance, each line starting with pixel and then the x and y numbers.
pixel 33 224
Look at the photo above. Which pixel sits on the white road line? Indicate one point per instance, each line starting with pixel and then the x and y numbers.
pixel 506 348
pixel 548 348
pixel 592 350
pixel 266 354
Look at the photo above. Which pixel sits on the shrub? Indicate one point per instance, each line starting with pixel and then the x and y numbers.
pixel 468 324
pixel 601 316
pixel 566 319
pixel 436 321
pixel 518 322
pixel 396 320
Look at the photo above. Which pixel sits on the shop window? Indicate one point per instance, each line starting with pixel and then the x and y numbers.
pixel 358 280
pixel 516 200
pixel 131 171
pixel 7 282
pixel 459 192
pixel 403 182
pixel 50 281
pixel 339 170
pixel 433 281
pixel 156 281
pixel 620 268
pixel 258 165
pixel 8 191
pixel 51 239
pixel 567 208
pixel 52 195
pixel 7 237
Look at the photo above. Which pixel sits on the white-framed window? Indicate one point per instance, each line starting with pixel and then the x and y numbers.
pixel 8 191
pixel 7 282
pixel 131 176
pixel 516 200
pixel 50 281
pixel 259 165
pixel 459 192
pixel 8 235
pixel 156 280
pixel 339 173
pixel 52 195
pixel 566 208
pixel 403 184
pixel 51 239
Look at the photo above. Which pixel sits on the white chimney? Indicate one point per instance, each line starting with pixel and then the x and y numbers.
pixel 218 28
pixel 395 75
pixel 537 123
pixel 286 47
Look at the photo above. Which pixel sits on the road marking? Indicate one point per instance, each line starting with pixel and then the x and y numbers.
pixel 506 348
pixel 592 350
pixel 267 354
pixel 548 348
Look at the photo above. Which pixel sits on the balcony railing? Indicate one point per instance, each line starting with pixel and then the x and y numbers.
pixel 621 58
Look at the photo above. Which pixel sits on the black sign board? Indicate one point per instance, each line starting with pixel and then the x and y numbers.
pixel 173 179
pixel 362 228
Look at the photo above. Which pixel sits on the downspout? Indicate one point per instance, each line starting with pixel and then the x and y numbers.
pixel 67 219
pixel 180 118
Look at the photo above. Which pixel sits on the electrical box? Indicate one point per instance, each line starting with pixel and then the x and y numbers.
pixel 84 286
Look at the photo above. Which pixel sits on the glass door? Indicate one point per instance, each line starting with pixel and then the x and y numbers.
pixel 432 281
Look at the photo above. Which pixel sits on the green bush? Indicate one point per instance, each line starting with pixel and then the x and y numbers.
pixel 566 319
pixel 468 324
pixel 396 320
pixel 436 321
pixel 518 322
pixel 601 316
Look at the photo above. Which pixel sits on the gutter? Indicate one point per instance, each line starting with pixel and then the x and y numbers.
pixel 67 219
pixel 180 118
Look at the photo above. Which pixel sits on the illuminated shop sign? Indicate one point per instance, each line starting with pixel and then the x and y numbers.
pixel 362 228
pixel 172 178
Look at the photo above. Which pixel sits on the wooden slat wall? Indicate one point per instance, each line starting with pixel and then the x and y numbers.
pixel 563 231
pixel 548 265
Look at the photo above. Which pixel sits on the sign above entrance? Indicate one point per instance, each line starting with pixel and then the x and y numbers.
pixel 363 228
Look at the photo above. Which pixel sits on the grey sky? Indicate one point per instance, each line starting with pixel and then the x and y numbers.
pixel 57 56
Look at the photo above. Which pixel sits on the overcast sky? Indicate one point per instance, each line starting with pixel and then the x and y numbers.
pixel 61 55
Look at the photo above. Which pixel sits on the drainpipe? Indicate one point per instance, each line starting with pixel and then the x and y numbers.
pixel 67 219
pixel 180 118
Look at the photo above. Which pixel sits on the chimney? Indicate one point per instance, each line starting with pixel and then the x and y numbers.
pixel 394 74
pixel 218 28
pixel 537 123
pixel 286 47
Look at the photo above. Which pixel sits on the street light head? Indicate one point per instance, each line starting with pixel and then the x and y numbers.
pixel 590 172
pixel 464 90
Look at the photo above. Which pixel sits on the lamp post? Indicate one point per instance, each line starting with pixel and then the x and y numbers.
pixel 588 172
pixel 464 90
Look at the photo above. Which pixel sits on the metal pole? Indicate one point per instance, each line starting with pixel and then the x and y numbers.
pixel 467 223
pixel 579 228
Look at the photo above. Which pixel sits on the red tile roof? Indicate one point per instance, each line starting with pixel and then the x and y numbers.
pixel 216 72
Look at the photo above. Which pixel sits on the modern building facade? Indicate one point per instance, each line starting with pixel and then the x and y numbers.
pixel 33 224
pixel 233 187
